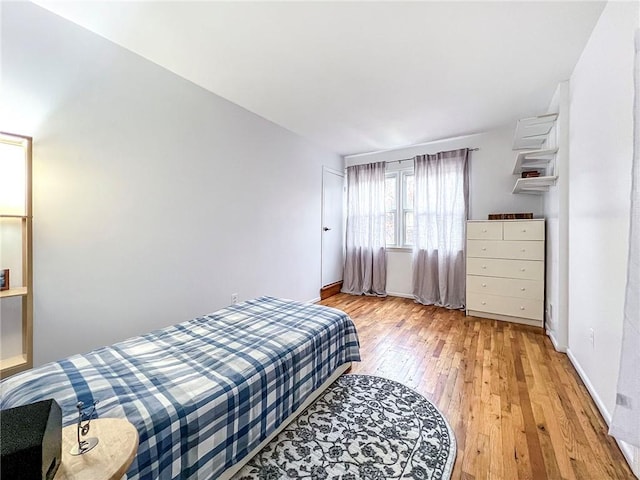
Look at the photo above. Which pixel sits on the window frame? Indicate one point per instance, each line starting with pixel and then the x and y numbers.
pixel 394 175
pixel 401 209
pixel 403 191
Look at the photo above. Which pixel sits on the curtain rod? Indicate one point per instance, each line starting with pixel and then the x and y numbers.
pixel 407 159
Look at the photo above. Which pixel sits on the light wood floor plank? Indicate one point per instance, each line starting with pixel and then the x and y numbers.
pixel 518 408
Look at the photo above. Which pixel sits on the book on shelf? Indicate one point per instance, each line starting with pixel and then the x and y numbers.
pixel 510 216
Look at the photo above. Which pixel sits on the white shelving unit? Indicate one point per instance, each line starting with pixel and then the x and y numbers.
pixel 534 185
pixel 534 159
pixel 531 133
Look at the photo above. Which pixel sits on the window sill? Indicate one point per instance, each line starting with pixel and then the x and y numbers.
pixel 400 249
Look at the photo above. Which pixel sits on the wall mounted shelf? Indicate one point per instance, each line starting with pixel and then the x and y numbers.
pixel 14 364
pixel 532 136
pixel 534 185
pixel 534 159
pixel 531 133
pixel 14 292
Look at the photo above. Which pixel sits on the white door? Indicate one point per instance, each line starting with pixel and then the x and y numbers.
pixel 332 226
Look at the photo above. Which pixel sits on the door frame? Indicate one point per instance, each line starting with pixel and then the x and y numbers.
pixel 342 174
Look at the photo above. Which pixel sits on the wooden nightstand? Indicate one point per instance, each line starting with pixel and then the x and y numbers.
pixel 109 460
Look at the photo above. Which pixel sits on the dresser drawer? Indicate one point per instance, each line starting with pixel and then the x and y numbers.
pixel 520 250
pixel 484 230
pixel 510 287
pixel 494 267
pixel 514 307
pixel 533 230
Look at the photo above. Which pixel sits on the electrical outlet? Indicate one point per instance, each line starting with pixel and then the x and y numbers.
pixel 234 298
pixel 592 337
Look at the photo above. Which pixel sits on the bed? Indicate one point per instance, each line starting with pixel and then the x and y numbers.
pixel 207 393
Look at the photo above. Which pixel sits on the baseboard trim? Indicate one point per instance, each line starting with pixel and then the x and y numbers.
pixel 398 294
pixel 313 300
pixel 554 341
pixel 628 451
pixel 587 383
pixel 330 290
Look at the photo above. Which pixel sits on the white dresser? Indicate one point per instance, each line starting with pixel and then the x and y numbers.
pixel 505 270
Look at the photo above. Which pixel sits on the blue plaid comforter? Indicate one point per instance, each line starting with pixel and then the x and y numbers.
pixel 202 393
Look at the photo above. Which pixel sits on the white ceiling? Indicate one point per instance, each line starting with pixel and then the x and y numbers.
pixel 359 76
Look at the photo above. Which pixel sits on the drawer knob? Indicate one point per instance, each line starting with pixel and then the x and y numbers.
pixel 524 230
pixel 484 249
pixel 484 267
pixel 523 250
pixel 484 284
pixel 522 289
pixel 521 308
pixel 484 303
pixel 484 230
pixel 522 269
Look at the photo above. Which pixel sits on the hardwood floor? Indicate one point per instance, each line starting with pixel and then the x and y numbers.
pixel 518 408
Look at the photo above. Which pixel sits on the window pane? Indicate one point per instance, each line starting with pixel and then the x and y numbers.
pixel 390 228
pixel 408 228
pixel 390 193
pixel 409 187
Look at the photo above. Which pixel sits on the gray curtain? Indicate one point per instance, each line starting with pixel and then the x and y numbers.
pixel 625 424
pixel 365 269
pixel 441 208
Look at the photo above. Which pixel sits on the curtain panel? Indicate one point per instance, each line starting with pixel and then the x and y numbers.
pixel 441 210
pixel 625 424
pixel 365 269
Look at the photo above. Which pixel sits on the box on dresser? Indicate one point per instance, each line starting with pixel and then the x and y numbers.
pixel 505 270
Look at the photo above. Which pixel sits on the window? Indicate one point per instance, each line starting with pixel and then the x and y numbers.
pixel 391 206
pixel 399 194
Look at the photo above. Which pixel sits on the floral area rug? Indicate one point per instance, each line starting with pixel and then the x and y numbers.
pixel 361 427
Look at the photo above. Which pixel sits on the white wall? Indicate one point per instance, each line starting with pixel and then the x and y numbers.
pixel 556 212
pixel 490 185
pixel 154 199
pixel 601 139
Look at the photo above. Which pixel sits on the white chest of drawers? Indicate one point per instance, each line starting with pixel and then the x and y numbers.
pixel 505 270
